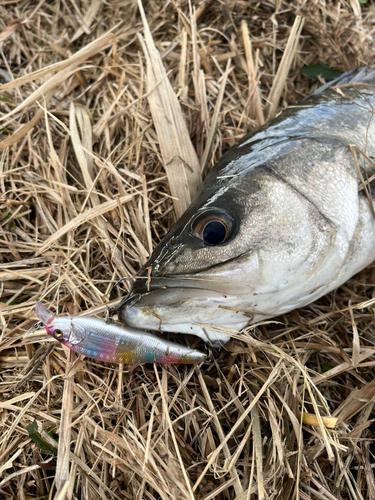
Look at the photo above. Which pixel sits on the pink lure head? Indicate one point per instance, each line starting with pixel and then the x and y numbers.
pixel 62 329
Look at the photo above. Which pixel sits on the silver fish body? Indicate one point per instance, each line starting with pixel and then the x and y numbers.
pixel 280 221
pixel 114 343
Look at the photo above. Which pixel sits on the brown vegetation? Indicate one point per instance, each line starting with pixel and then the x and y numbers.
pixel 88 187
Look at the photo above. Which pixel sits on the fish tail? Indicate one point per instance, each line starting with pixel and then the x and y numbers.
pixel 362 74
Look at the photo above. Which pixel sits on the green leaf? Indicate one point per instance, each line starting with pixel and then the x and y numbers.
pixel 316 70
pixel 5 129
pixel 362 1
pixel 44 447
pixel 326 367
pixel 11 303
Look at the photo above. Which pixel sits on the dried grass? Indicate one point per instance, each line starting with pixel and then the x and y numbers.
pixel 86 192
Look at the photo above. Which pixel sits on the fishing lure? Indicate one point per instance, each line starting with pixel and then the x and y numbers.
pixel 110 342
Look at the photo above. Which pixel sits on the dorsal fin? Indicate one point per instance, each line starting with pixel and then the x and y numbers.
pixel 363 74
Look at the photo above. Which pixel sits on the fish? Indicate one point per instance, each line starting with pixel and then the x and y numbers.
pixel 112 343
pixel 282 219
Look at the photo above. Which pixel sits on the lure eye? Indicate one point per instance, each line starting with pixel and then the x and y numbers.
pixel 213 227
pixel 58 334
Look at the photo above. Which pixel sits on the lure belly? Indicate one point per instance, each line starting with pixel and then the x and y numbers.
pixel 112 343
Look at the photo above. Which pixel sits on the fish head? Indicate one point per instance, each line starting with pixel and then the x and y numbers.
pixel 196 274
pixel 251 246
pixel 206 244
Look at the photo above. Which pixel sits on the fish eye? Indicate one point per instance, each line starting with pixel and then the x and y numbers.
pixel 213 227
pixel 58 334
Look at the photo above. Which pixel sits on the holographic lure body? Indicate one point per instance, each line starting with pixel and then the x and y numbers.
pixel 110 342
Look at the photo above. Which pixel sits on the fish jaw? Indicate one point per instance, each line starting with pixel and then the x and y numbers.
pixel 210 315
pixel 207 304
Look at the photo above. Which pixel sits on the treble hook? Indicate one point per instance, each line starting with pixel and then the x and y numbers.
pixel 123 279
pixel 210 353
pixel 37 326
pixel 128 301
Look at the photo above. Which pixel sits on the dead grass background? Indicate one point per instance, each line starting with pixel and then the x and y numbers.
pixel 87 189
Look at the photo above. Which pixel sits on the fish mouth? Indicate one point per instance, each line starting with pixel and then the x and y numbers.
pixel 235 276
pixel 203 303
pixel 144 284
pixel 187 310
pixel 217 278
pixel 164 294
